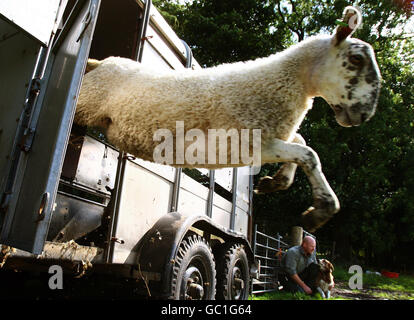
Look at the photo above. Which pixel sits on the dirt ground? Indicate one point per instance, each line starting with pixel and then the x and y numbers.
pixel 341 290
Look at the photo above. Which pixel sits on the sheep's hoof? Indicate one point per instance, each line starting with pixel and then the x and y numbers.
pixel 266 185
pixel 316 216
pixel 312 221
pixel 271 184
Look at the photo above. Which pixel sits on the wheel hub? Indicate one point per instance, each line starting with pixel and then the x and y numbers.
pixel 237 283
pixel 193 282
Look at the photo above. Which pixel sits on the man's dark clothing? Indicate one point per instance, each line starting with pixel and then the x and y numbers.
pixel 295 261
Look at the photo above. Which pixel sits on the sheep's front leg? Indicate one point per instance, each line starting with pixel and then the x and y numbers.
pixel 283 178
pixel 325 202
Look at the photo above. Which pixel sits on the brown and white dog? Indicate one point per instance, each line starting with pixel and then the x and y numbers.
pixel 325 280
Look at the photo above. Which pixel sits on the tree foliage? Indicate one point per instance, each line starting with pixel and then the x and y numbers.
pixel 371 167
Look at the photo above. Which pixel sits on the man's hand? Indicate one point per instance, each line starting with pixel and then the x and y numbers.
pixel 307 289
pixel 301 284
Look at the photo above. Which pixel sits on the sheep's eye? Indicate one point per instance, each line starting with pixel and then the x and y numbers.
pixel 356 59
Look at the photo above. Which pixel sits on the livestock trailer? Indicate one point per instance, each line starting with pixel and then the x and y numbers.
pixel 69 198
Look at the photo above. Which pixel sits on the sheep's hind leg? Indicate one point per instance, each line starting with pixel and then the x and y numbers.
pixel 283 178
pixel 325 202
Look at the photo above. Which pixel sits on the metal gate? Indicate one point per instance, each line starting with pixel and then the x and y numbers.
pixel 268 251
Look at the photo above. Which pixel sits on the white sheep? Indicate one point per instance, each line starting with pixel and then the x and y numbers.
pixel 272 94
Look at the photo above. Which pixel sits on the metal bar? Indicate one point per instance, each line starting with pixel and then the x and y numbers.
pixel 281 243
pixel 68 24
pixel 211 194
pixel 270 248
pixel 278 241
pixel 86 189
pixel 263 291
pixel 81 199
pixel 266 236
pixel 250 194
pixel 178 171
pixel 116 200
pixel 266 275
pixel 176 189
pixel 255 239
pixel 143 30
pixel 262 282
pixel 234 199
pixel 189 55
pixel 250 216
pixel 254 251
pixel 266 258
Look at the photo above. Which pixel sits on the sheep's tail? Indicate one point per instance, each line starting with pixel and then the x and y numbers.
pixel 92 64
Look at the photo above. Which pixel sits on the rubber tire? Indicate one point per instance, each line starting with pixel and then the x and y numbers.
pixel 234 255
pixel 194 251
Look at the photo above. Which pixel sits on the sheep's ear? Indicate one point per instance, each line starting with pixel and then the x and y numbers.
pixel 350 22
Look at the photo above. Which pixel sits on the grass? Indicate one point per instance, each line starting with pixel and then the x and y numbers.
pixel 374 288
pixel 401 288
pixel 285 296
pixel 290 296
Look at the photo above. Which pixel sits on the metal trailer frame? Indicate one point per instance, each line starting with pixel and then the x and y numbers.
pixel 26 206
pixel 269 252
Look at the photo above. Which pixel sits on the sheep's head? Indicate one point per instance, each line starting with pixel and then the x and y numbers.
pixel 350 77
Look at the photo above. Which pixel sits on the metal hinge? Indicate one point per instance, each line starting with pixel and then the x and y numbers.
pixel 35 85
pixel 27 139
pixel 29 132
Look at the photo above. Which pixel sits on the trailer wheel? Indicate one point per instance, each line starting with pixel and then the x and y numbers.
pixel 233 279
pixel 194 274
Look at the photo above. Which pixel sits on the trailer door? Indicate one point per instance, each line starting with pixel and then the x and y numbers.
pixel 36 161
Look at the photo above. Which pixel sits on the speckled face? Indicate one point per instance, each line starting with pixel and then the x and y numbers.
pixel 356 83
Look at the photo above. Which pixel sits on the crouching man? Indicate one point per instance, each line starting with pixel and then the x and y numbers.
pixel 301 267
